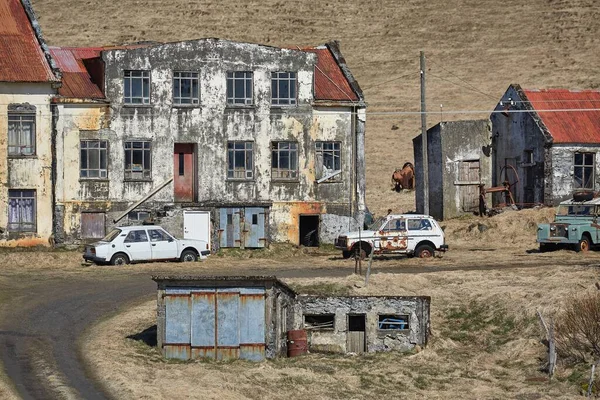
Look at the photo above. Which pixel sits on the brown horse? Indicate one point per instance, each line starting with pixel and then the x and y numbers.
pixel 404 178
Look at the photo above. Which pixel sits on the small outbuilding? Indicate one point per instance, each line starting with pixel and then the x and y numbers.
pixel 249 317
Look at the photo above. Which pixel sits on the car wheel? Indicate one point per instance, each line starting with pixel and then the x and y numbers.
pixel 424 251
pixel 119 259
pixel 583 245
pixel 346 254
pixel 189 256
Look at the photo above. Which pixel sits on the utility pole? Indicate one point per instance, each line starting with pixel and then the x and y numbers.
pixel 424 139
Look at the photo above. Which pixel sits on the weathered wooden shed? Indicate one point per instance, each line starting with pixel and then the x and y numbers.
pixel 360 324
pixel 223 317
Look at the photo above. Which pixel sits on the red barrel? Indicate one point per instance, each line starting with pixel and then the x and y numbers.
pixel 297 343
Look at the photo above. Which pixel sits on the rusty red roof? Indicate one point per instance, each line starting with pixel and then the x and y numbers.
pixel 21 56
pixel 76 80
pixel 568 126
pixel 330 81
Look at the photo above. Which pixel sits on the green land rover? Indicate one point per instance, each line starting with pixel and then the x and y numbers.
pixel 575 226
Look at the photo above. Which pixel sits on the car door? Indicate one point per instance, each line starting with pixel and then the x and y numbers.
pixel 419 229
pixel 163 245
pixel 137 245
pixel 393 236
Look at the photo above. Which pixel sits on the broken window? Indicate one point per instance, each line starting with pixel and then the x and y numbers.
pixel 283 88
pixel 138 216
pixel 21 134
pixel 239 88
pixel 93 159
pixel 239 160
pixel 136 87
pixel 583 171
pixel 319 321
pixel 185 88
pixel 21 211
pixel 284 160
pixel 329 160
pixel 393 321
pixel 137 160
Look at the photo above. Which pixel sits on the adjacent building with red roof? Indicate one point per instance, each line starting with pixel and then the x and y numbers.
pixel 551 137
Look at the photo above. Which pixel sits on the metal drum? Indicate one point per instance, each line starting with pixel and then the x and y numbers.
pixel 297 343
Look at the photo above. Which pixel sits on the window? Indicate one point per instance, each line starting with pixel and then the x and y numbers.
pixel 136 236
pixel 283 88
pixel 158 235
pixel 528 157
pixel 239 88
pixel 239 160
pixel 21 211
pixel 136 215
pixel 329 159
pixel 185 88
pixel 393 321
pixel 419 224
pixel 137 87
pixel 93 159
pixel 137 160
pixel 284 160
pixel 21 134
pixel 583 171
pixel 319 322
pixel 395 225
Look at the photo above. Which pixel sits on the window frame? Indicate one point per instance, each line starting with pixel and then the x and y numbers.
pixel 18 118
pixel 129 81
pixel 194 101
pixel 405 317
pixel 232 153
pixel 317 327
pixel 321 143
pixel 231 98
pixel 146 173
pixel 583 166
pixel 22 227
pixel 276 154
pixel 284 101
pixel 99 169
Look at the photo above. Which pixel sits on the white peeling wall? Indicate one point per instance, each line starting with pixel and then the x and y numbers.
pixel 563 170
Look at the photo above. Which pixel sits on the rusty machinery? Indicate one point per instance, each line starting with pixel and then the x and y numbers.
pixel 505 188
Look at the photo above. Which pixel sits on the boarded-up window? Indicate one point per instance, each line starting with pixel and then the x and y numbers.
pixel 92 225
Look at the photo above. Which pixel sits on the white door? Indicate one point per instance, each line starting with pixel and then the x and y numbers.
pixel 196 225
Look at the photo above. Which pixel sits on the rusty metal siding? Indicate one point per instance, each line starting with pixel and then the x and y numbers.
pixel 22 57
pixel 568 127
pixel 178 322
pixel 76 81
pixel 254 227
pixel 203 323
pixel 252 324
pixel 228 339
pixel 330 82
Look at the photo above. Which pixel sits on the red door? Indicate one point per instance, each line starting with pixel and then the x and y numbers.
pixel 184 171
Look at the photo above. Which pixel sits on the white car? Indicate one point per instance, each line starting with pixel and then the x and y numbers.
pixel 144 243
pixel 411 234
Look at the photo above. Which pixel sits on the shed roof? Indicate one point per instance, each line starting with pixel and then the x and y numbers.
pixel 220 280
pixel 566 126
pixel 76 80
pixel 22 58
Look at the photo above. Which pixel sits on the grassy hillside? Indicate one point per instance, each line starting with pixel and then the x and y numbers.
pixel 474 50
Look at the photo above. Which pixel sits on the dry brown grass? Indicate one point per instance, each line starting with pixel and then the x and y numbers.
pixel 474 50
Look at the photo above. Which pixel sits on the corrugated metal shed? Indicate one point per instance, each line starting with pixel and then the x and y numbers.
pixel 330 82
pixel 568 126
pixel 21 57
pixel 76 81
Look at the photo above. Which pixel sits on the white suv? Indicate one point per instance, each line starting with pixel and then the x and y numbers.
pixel 411 234
pixel 143 243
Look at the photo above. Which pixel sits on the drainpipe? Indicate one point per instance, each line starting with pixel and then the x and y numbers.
pixel 53 173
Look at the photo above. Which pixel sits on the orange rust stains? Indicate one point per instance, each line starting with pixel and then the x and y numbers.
pixel 295 211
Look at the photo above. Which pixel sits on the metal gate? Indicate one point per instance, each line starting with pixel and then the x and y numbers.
pixel 223 324
pixel 242 227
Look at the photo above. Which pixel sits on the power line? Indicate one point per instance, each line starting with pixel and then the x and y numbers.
pixel 457 84
pixel 391 80
pixel 473 87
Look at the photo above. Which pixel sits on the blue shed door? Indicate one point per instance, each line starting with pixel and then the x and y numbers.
pixel 228 338
pixel 252 324
pixel 229 227
pixel 203 323
pixel 254 227
pixel 177 324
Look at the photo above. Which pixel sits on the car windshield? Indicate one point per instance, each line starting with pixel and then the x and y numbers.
pixel 112 235
pixel 376 224
pixel 575 209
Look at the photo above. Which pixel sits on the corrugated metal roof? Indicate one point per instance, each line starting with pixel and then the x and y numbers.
pixel 330 81
pixel 21 57
pixel 568 126
pixel 76 81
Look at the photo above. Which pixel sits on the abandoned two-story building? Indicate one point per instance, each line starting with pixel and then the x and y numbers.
pixel 28 81
pixel 551 137
pixel 236 143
